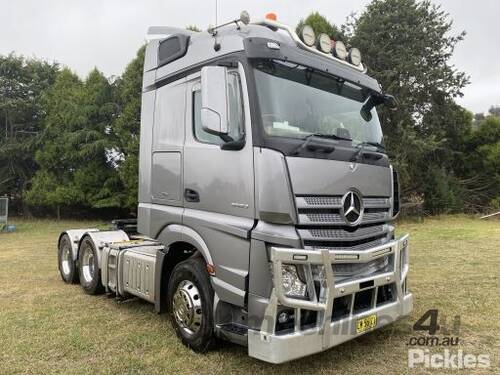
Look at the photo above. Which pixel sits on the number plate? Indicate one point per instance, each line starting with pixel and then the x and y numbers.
pixel 366 323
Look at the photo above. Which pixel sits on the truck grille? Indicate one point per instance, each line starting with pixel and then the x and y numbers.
pixel 321 225
pixel 325 210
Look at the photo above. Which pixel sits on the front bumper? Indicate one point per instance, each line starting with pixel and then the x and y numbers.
pixel 270 346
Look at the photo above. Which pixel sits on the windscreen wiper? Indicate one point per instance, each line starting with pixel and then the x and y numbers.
pixel 358 154
pixel 326 147
pixel 379 146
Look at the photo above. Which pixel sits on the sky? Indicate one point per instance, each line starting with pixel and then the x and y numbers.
pixel 83 34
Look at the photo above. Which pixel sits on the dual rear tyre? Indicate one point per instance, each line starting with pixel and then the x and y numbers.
pixel 86 270
pixel 67 266
pixel 88 267
pixel 190 295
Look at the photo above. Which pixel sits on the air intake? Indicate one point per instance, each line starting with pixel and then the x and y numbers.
pixel 396 194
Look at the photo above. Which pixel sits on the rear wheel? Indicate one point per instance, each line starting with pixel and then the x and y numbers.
pixel 190 301
pixel 67 266
pixel 88 267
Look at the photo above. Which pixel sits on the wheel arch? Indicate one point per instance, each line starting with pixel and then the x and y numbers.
pixel 181 243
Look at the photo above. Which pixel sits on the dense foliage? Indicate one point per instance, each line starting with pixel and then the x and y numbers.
pixel 66 142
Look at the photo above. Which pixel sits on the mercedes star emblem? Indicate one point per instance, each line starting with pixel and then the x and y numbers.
pixel 352 208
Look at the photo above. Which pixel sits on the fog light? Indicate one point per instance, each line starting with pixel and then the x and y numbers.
pixel 283 318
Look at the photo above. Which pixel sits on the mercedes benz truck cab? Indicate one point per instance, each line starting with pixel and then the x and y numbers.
pixel 266 197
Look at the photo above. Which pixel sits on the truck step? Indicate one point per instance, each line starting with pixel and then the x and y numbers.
pixel 236 329
pixel 233 332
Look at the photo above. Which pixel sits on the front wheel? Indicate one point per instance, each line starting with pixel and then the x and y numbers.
pixel 88 267
pixel 190 301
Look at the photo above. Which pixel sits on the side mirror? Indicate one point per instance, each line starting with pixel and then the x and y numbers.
pixel 214 100
pixel 391 102
pixel 374 100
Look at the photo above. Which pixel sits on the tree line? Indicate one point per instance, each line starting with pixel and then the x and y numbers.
pixel 70 143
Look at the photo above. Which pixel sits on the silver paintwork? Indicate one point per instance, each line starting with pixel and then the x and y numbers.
pixel 273 190
pixel 75 235
pixel 314 50
pixel 187 307
pixel 128 268
pixel 332 177
pixel 103 238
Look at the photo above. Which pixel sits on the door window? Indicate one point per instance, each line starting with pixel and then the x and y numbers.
pixel 235 116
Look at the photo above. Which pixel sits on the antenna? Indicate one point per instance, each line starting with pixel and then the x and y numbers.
pixel 216 45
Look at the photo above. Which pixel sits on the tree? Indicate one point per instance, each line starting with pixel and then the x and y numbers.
pixel 407 45
pixel 73 152
pixel 320 25
pixel 126 127
pixel 23 83
pixel 494 110
pixel 481 169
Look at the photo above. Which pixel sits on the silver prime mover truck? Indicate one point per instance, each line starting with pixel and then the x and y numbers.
pixel 265 195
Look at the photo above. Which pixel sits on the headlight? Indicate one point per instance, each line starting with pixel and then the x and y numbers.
pixel 293 286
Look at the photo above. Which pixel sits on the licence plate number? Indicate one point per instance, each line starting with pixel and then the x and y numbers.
pixel 366 323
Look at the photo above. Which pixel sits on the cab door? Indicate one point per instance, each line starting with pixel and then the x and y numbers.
pixel 219 188
pixel 217 180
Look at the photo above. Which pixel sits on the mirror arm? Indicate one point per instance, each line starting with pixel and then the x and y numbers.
pixel 226 138
pixel 234 145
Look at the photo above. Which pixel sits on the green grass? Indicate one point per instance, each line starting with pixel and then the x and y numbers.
pixel 47 326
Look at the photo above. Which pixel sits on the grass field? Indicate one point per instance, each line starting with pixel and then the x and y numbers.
pixel 47 326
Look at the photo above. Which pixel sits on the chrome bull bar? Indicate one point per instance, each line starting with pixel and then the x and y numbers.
pixel 323 304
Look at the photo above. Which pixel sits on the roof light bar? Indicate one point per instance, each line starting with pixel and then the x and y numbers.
pixel 307 40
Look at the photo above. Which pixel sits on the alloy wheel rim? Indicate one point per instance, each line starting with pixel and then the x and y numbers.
pixel 187 307
pixel 88 264
pixel 65 260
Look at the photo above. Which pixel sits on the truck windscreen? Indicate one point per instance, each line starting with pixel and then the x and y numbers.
pixel 296 101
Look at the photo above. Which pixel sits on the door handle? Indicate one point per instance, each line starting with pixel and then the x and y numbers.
pixel 191 195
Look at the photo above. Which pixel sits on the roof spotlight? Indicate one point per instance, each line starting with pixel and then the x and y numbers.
pixel 307 35
pixel 324 43
pixel 339 50
pixel 245 17
pixel 355 56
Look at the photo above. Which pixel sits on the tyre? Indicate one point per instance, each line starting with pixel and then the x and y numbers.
pixel 88 267
pixel 190 303
pixel 67 266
